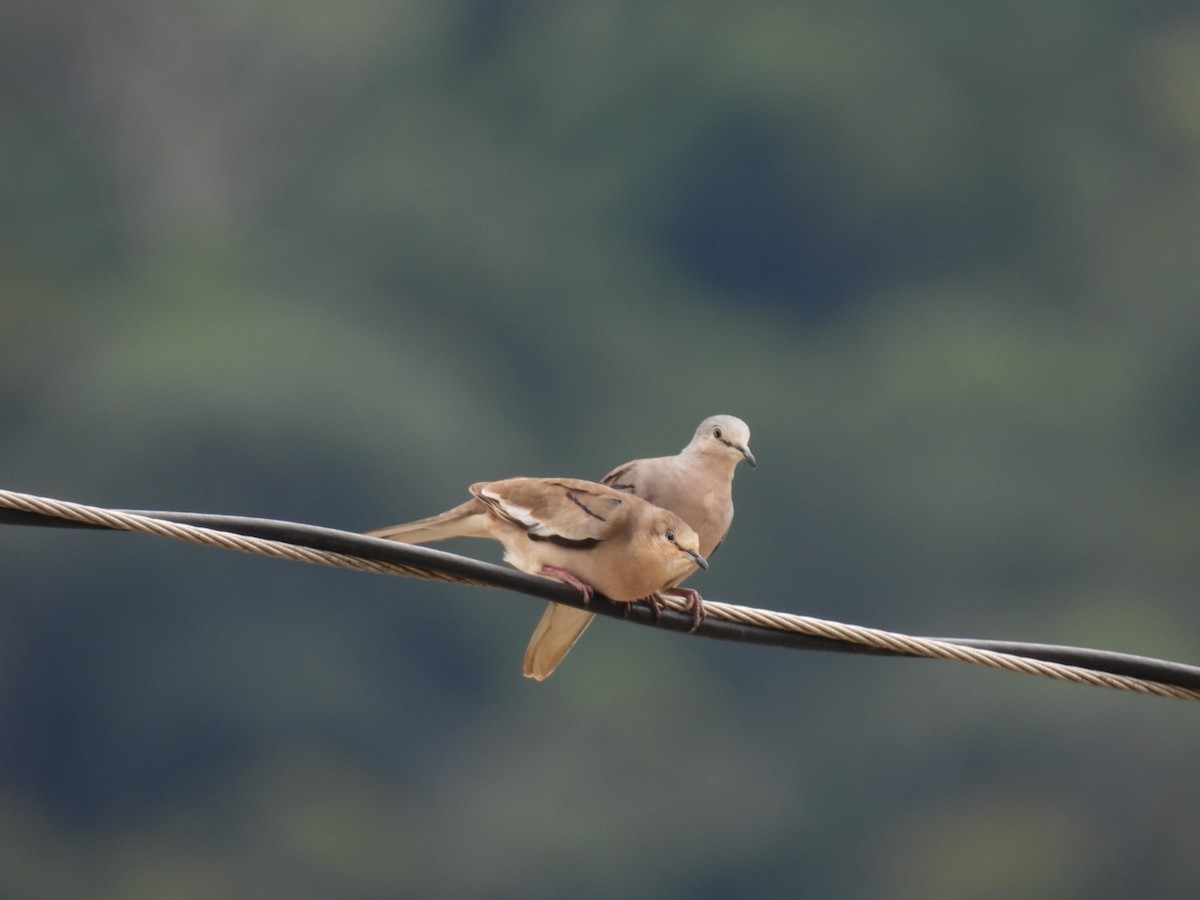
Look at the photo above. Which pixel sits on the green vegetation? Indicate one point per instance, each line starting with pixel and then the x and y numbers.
pixel 334 263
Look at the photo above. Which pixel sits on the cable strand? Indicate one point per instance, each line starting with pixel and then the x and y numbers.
pixel 348 550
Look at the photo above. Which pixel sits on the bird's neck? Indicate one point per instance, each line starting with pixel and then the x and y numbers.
pixel 709 461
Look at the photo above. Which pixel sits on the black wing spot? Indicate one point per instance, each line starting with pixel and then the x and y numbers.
pixel 622 487
pixel 583 506
pixel 571 543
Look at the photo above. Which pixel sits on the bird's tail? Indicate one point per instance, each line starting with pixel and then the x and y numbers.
pixel 465 520
pixel 555 635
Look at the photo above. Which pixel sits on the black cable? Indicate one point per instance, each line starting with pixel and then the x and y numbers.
pixel 1146 668
pixel 352 544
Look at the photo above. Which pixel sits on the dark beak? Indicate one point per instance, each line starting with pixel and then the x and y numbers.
pixel 749 456
pixel 700 560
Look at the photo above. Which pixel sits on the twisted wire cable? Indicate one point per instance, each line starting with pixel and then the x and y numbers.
pixel 725 621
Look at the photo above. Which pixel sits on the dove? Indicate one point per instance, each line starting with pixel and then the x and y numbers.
pixel 588 535
pixel 697 485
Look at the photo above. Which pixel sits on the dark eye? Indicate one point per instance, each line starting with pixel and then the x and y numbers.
pixel 717 433
pixel 670 536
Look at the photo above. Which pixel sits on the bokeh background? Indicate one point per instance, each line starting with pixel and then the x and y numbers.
pixel 332 263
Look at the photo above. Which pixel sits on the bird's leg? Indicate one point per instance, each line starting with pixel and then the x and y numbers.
pixel 563 575
pixel 655 605
pixel 695 603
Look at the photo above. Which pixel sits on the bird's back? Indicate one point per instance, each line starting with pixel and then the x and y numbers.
pixel 673 482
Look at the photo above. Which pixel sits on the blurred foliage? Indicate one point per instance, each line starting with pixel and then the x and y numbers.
pixel 334 263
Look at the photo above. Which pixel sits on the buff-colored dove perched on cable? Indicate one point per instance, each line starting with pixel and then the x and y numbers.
pixel 697 485
pixel 587 535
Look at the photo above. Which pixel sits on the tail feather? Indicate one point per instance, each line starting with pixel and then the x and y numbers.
pixel 555 635
pixel 465 520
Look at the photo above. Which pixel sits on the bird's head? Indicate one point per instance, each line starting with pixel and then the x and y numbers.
pixel 675 541
pixel 726 436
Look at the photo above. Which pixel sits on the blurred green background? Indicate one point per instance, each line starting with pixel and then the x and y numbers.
pixel 332 263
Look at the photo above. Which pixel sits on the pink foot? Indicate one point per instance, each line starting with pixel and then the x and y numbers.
pixel 655 605
pixel 566 577
pixel 695 603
